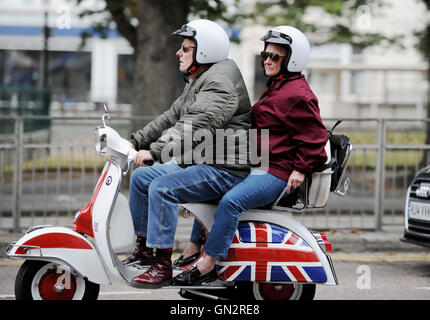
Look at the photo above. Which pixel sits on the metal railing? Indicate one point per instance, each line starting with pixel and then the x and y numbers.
pixel 46 176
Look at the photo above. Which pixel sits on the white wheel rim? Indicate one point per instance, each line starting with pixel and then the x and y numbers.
pixel 298 289
pixel 80 282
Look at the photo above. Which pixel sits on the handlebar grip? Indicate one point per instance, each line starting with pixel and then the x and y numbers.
pixel 149 162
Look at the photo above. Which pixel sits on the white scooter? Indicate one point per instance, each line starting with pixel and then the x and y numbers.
pixel 272 256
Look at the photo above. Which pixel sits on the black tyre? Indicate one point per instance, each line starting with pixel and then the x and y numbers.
pixel 42 280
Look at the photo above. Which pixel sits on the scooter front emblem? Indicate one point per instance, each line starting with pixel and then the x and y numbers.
pixel 108 180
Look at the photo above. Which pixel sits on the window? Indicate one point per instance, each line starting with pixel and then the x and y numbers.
pixel 69 76
pixel 19 68
pixel 125 78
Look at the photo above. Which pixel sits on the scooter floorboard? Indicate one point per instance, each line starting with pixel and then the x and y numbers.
pixel 135 269
pixel 201 287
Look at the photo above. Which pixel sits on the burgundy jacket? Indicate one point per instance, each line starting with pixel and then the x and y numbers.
pixel 297 136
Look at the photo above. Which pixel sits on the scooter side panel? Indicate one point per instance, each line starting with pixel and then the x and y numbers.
pixel 205 213
pixel 121 229
pixel 103 208
pixel 265 252
pixel 64 245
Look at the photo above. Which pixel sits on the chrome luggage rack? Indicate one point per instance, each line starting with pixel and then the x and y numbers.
pixel 26 249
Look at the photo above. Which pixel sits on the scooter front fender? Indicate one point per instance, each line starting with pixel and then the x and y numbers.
pixel 61 244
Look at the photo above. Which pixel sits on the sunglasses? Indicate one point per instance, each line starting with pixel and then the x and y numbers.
pixel 185 48
pixel 273 56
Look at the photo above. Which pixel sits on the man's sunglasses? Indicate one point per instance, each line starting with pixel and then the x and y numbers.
pixel 273 56
pixel 185 48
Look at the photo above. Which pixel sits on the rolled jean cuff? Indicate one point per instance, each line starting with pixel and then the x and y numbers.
pixel 159 245
pixel 216 255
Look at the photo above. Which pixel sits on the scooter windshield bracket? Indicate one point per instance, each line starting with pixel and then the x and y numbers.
pixel 106 115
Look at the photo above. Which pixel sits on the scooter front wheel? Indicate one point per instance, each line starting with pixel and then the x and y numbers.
pixel 42 280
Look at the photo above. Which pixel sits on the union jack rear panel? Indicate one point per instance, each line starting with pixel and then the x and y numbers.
pixel 265 252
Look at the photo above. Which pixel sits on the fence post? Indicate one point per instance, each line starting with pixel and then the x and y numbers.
pixel 17 173
pixel 380 173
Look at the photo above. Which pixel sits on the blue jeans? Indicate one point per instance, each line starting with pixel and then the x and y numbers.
pixel 156 191
pixel 258 189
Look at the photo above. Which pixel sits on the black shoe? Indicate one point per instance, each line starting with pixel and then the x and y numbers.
pixel 194 277
pixel 180 262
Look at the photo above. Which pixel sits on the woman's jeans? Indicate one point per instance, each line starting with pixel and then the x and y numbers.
pixel 258 189
pixel 156 191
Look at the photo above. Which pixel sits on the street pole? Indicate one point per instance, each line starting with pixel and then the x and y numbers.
pixel 17 174
pixel 380 174
pixel 43 80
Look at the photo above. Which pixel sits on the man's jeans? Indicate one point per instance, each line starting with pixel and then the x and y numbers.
pixel 258 189
pixel 156 191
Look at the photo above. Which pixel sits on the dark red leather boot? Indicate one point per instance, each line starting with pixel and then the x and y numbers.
pixel 160 272
pixel 141 253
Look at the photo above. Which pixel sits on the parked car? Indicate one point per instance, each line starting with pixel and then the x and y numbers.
pixel 417 210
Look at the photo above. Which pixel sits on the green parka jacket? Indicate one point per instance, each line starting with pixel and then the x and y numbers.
pixel 208 123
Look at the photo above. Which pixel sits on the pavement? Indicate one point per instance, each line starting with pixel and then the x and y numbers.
pixel 345 241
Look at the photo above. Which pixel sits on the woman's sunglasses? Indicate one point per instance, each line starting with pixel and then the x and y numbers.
pixel 185 48
pixel 273 56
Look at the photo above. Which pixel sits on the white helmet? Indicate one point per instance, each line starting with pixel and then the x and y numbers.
pixel 296 43
pixel 212 42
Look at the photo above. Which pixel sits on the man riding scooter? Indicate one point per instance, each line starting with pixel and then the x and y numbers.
pixel 215 97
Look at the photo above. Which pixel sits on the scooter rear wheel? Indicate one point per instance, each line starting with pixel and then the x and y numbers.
pixel 42 280
pixel 278 291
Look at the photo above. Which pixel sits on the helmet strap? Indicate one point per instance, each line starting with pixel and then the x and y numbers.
pixel 284 64
pixel 194 65
pixel 192 68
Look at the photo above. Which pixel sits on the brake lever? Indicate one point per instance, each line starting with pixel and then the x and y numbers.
pixel 129 161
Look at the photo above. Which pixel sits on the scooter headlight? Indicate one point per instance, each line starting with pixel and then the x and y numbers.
pixel 101 142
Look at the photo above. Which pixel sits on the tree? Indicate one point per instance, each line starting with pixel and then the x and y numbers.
pixel 338 20
pixel 148 25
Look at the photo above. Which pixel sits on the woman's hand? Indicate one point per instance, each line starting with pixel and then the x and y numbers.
pixel 143 156
pixel 295 180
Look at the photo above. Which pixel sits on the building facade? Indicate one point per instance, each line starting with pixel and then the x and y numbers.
pixel 376 82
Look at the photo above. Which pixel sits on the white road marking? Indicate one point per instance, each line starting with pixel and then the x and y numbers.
pixel 112 293
pixel 106 293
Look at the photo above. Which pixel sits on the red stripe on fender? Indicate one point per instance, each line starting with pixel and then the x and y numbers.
pixel 271 254
pixel 261 235
pixel 236 237
pixel 260 270
pixel 55 240
pixel 292 239
pixel 228 272
pixel 297 274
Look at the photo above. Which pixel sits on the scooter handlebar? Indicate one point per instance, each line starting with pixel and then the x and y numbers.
pixel 131 155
